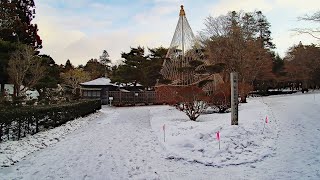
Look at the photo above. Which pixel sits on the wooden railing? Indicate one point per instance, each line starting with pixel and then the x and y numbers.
pixel 130 98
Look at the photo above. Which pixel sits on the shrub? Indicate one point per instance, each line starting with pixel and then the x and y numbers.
pixel 244 90
pixel 16 122
pixel 221 99
pixel 192 100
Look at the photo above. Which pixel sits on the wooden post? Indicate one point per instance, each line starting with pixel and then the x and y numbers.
pixel 234 98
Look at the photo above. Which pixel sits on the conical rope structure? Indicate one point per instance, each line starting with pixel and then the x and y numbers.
pixel 177 67
pixel 183 49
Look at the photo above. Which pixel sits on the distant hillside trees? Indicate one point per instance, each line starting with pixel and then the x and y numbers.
pixel 302 64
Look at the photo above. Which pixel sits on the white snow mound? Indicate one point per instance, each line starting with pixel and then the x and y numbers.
pixel 251 141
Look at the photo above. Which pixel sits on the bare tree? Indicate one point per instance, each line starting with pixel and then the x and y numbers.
pixel 24 69
pixel 242 42
pixel 74 77
pixel 214 27
pixel 314 18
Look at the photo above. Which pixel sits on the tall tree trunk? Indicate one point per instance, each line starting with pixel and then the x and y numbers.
pixel 15 91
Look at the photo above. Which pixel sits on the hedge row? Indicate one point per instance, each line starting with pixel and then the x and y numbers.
pixel 17 122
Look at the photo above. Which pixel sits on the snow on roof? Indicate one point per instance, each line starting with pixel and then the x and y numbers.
pixel 130 85
pixel 100 81
pixel 124 90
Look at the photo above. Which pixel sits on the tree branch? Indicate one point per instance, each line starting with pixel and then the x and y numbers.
pixel 311 32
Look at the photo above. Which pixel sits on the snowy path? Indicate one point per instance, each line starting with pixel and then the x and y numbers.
pixel 122 145
pixel 298 146
pixel 118 146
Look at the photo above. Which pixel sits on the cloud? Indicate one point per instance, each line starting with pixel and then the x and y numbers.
pixel 92 46
pixel 286 40
pixel 299 6
pixel 79 37
pixel 82 30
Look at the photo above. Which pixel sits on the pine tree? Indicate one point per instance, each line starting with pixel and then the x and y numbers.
pixel 134 62
pixel 140 68
pixel 264 33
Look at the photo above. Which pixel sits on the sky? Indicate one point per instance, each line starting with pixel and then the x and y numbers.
pixel 81 29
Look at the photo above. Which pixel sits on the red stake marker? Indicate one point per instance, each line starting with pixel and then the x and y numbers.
pixel 264 125
pixel 218 138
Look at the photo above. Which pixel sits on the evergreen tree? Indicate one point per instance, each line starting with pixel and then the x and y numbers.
pixel 51 78
pixel 105 61
pixel 133 63
pixel 278 64
pixel 154 65
pixel 16 26
pixel 140 68
pixel 104 58
pixel 264 33
pixel 94 69
pixel 6 48
pixel 68 66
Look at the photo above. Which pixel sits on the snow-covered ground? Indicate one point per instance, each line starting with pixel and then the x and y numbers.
pixel 13 151
pixel 251 141
pixel 128 143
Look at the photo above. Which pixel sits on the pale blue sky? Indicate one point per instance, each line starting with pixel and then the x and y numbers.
pixel 81 29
